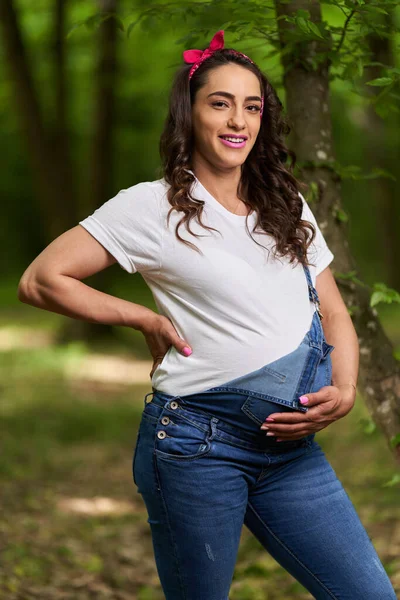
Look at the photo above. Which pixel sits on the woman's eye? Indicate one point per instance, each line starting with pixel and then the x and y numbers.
pixel 254 106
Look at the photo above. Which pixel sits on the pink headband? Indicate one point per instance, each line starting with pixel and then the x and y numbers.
pixel 197 57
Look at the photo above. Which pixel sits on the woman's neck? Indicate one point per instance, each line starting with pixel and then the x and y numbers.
pixel 223 186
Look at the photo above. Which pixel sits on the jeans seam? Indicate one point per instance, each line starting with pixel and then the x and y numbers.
pixel 326 372
pixel 174 544
pixel 134 457
pixel 305 366
pixel 182 457
pixel 200 426
pixel 291 553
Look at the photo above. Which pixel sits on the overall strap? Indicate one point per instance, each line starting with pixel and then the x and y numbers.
pixel 312 292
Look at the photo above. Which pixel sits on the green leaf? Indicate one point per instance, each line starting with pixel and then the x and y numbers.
pixel 376 298
pixel 120 23
pixel 354 172
pixel 301 13
pixel 395 440
pixel 315 30
pixel 313 192
pixel 303 25
pixel 226 25
pixel 94 20
pixel 382 293
pixel 354 69
pixel 351 276
pixel 73 28
pixel 341 215
pixel 368 426
pixel 394 481
pixel 378 172
pixel 131 26
pixel 380 81
pixel 347 275
pixel 375 9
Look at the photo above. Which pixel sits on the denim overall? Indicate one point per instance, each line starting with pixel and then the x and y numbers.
pixel 246 401
pixel 204 468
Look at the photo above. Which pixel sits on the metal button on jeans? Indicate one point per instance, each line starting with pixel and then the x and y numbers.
pixel 161 435
pixel 174 405
pixel 165 420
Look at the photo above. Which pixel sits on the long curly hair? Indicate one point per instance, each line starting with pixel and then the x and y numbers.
pixel 267 186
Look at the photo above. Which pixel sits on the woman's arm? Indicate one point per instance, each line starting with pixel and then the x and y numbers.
pixel 52 282
pixel 340 332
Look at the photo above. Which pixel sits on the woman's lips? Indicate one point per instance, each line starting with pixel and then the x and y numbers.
pixel 233 144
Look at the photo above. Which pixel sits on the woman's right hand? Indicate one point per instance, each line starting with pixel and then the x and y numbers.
pixel 160 335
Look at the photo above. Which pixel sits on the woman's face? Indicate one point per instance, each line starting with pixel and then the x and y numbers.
pixel 228 104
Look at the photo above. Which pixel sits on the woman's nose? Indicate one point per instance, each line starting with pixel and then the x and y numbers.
pixel 237 121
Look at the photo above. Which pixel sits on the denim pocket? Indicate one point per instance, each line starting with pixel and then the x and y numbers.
pixel 179 438
pixel 258 409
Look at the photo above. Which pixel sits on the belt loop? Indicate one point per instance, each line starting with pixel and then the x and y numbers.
pixel 213 423
pixel 146 397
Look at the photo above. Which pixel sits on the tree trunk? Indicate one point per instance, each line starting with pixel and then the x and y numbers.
pixel 59 131
pixel 307 105
pixel 384 191
pixel 48 143
pixel 52 196
pixel 100 167
pixel 102 153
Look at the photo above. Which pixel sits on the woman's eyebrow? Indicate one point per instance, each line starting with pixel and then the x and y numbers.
pixel 232 97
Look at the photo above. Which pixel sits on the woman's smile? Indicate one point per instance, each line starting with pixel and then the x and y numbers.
pixel 233 141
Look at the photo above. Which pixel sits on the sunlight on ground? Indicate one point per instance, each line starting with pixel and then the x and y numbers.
pixel 19 337
pixel 95 506
pixel 80 364
pixel 64 451
pixel 96 367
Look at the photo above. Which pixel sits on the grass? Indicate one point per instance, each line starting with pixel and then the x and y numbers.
pixel 72 525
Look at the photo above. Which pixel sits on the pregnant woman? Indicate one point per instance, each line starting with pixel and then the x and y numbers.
pixel 254 350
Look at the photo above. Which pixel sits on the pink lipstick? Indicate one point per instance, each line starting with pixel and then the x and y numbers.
pixel 231 144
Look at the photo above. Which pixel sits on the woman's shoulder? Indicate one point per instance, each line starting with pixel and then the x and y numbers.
pixel 153 188
pixel 142 198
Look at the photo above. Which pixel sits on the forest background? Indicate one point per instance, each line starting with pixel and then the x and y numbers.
pixel 83 94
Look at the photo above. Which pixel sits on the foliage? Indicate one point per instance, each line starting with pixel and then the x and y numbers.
pixel 72 524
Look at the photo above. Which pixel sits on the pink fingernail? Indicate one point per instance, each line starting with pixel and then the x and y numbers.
pixel 270 419
pixel 187 351
pixel 303 399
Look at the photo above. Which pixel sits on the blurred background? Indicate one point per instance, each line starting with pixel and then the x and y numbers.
pixel 83 97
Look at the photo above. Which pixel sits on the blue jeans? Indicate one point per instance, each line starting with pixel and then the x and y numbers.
pixel 204 468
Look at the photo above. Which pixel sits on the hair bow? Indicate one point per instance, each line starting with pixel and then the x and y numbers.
pixel 196 57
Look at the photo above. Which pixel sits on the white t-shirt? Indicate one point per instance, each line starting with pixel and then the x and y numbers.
pixel 236 306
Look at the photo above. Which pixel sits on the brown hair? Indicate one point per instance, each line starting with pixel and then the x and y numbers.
pixel 266 185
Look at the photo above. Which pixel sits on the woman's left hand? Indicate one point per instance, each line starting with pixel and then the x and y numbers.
pixel 327 405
